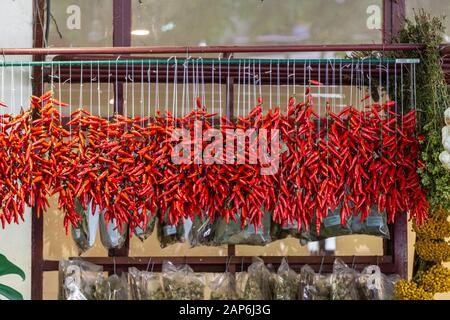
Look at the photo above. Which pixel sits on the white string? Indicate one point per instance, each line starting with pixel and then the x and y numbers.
pixel 304 78
pixel 21 84
pixel 90 91
pixel 334 85
pixel 167 92
pixel 125 101
pixel 98 89
pixel 287 84
pixel 351 85
pixel 109 90
pixel 157 86
pixel 239 89
pixel 340 81
pixel 59 92
pixel 188 99
pixel 249 94
pixel 270 83
pixel 194 93
pixel 278 84
pixel 197 90
pixel 149 90
pixel 116 85
pixel 184 90
pixel 220 87
pixel 318 93
pixel 259 78
pixel 254 84
pixel 141 102
pixel 13 90
pixel 212 91
pixel 293 80
pixel 203 84
pixel 81 87
pixel 229 97
pixel 131 77
pixel 70 96
pixel 174 93
pixel 327 84
pixel 3 83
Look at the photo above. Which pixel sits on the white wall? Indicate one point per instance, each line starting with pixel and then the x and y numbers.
pixel 16 25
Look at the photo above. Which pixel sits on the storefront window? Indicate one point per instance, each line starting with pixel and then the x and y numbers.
pixel 255 22
pixel 81 23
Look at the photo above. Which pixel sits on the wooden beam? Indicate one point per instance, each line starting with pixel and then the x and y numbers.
pixel 217 264
pixel 37 223
pixel 121 38
pixel 393 19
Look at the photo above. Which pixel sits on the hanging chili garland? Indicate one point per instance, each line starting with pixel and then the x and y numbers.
pixel 358 160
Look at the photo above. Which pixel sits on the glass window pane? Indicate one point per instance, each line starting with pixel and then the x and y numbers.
pixel 255 22
pixel 435 8
pixel 81 23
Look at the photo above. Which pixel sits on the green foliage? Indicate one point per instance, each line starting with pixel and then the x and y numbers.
pixel 7 267
pixel 432 100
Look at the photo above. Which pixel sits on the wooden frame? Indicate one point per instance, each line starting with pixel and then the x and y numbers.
pixel 394 259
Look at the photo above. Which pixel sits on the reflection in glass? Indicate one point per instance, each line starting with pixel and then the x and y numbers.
pixel 255 22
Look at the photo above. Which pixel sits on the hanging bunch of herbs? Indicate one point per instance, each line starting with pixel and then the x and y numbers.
pixel 432 99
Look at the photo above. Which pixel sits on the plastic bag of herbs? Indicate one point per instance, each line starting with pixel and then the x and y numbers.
pixel 112 288
pixel 280 231
pixel 112 235
pixel 143 232
pixel 77 279
pixel 181 283
pixel 287 282
pixel 233 232
pixel 344 285
pixel 145 285
pixel 85 232
pixel 314 286
pixel 169 234
pixel 374 285
pixel 331 226
pixel 223 287
pixel 374 225
pixel 255 284
pixel 202 231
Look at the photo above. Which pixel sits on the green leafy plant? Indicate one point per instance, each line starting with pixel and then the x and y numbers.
pixel 7 267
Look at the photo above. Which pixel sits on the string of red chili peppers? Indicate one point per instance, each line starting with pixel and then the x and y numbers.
pixel 359 160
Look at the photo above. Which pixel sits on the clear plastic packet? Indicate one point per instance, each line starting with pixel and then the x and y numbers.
pixel 257 285
pixel 111 288
pixel 169 234
pixel 233 233
pixel 289 229
pixel 77 279
pixel 374 285
pixel 375 224
pixel 314 286
pixel 223 287
pixel 201 232
pixel 241 282
pixel 85 232
pixel 111 235
pixel 146 231
pixel 145 285
pixel 344 282
pixel 331 226
pixel 181 283
pixel 287 282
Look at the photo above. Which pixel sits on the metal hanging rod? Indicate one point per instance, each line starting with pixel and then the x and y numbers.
pixel 211 49
pixel 203 61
